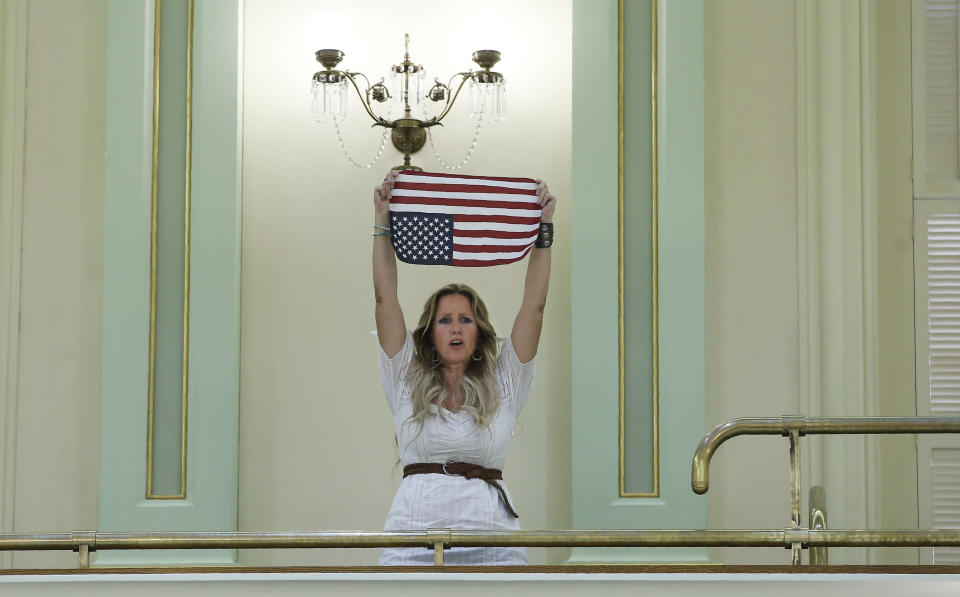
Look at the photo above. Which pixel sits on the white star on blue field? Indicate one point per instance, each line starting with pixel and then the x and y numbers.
pixel 422 238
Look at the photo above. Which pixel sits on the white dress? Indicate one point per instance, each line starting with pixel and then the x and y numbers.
pixel 437 501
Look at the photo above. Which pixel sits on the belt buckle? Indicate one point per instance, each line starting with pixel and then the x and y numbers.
pixel 443 467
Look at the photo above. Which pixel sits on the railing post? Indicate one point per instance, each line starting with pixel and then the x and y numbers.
pixel 818 522
pixel 795 539
pixel 795 548
pixel 83 543
pixel 439 538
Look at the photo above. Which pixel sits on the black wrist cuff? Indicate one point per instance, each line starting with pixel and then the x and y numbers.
pixel 545 236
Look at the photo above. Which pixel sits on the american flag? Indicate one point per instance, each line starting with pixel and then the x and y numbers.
pixel 454 219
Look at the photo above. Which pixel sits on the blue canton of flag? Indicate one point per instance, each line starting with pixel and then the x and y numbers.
pixel 422 237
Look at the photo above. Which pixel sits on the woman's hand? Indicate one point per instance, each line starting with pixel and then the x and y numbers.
pixel 381 194
pixel 546 201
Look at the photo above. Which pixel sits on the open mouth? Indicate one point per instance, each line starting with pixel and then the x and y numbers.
pixel 456 343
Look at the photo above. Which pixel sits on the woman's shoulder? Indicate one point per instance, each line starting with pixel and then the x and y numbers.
pixel 508 354
pixel 406 350
pixel 395 367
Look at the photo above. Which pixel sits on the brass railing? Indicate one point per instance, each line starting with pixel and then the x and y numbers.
pixel 794 427
pixel 793 537
pixel 87 542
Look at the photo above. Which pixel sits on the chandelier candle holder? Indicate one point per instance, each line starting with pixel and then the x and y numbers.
pixel 408 133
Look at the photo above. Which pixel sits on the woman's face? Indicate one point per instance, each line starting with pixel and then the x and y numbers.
pixel 454 329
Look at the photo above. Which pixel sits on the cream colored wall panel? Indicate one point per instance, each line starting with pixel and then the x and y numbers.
pixel 751 236
pixel 896 395
pixel 58 411
pixel 317 447
pixel 13 68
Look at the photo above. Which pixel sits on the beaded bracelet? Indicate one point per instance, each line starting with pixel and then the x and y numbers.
pixel 381 234
pixel 384 228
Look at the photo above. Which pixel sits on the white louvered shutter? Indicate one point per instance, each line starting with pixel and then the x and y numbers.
pixel 936 201
pixel 937 261
pixel 945 493
pixel 943 313
pixel 936 76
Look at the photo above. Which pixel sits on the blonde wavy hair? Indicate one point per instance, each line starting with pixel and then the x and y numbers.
pixel 425 374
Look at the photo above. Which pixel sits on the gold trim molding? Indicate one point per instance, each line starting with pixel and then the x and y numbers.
pixel 655 385
pixel 150 495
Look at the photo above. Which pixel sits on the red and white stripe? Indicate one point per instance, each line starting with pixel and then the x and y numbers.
pixel 496 219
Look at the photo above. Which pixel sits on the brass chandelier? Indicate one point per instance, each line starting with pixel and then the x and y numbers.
pixel 408 133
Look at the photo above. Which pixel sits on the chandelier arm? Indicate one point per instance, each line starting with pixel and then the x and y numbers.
pixel 379 120
pixel 367 93
pixel 364 77
pixel 450 81
pixel 452 97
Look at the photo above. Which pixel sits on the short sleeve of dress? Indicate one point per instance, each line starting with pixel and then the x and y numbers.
pixel 515 378
pixel 392 372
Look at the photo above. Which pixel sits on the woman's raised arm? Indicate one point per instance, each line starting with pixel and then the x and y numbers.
pixel 529 321
pixel 391 329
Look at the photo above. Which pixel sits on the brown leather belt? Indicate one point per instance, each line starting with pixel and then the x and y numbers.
pixel 464 469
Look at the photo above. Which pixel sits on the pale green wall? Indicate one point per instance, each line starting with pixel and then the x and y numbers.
pixel 681 278
pixel 211 502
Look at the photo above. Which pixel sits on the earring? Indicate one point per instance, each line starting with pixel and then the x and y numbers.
pixel 436 356
pixel 475 357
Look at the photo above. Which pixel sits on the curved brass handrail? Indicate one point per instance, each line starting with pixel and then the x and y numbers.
pixel 794 427
pixel 700 475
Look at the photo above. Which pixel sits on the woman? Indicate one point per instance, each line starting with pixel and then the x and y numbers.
pixel 455 395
